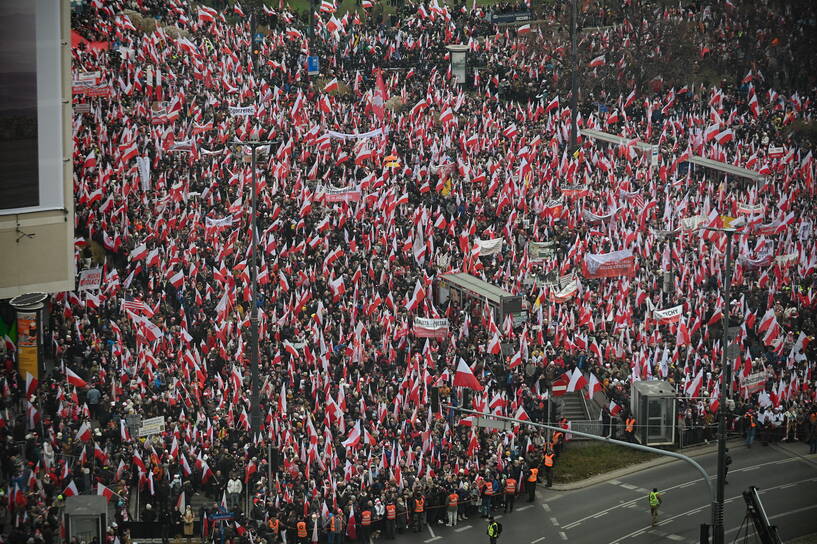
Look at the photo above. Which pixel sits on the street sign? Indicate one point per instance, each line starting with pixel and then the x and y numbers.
pixel 153 425
pixel 313 66
pixel 491 423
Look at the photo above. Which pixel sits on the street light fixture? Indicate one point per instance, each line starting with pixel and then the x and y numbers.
pixel 255 408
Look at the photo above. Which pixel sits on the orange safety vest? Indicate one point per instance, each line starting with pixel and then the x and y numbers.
pixel 548 460
pixel 366 518
pixel 510 486
pixel 301 525
pixel 534 474
pixel 630 424
pixel 273 525
pixel 489 488
pixel 419 504
pixel 752 420
pixel 453 499
pixel 332 524
pixel 391 511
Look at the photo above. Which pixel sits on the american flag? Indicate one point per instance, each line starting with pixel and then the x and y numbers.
pixel 136 305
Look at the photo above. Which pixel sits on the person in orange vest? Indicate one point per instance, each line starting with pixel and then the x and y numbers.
pixel 391 519
pixel 547 462
pixel 452 504
pixel 556 442
pixel 510 493
pixel 300 527
pixel 533 476
pixel 629 428
pixel 337 528
pixel 366 523
pixel 419 511
pixel 751 427
pixel 274 527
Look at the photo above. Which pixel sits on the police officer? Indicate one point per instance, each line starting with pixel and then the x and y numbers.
pixel 493 530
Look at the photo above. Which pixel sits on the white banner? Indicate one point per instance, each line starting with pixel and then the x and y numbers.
pixel 182 145
pixel 143 166
pixel 692 223
pixel 590 217
pixel 430 328
pixel 749 209
pixel 670 315
pixel 489 247
pixel 345 194
pixel 211 223
pixel 355 136
pixel 90 279
pixel 242 111
pixel 566 293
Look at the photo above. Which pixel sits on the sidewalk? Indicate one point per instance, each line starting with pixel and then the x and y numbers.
pixel 693 451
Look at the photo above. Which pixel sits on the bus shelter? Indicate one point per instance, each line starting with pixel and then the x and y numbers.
pixel 469 293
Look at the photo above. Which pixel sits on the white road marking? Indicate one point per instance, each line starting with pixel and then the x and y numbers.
pixel 433 539
pixel 628 486
pixel 600 514
pixel 778 516
pixel 546 507
pixel 676 538
pixel 540 539
pixel 562 535
pixel 614 482
pixel 668 520
pixel 498 517
pixel 554 521
pixel 526 507
pixel 632 502
pixel 464 528
pixel 430 530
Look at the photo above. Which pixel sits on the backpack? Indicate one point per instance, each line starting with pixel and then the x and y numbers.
pixel 498 528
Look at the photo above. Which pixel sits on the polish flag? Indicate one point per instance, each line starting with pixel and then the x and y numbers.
pixel 463 377
pixel 577 381
pixel 446 116
pixel 84 432
pixel 593 386
pixel 71 490
pixel 524 29
pixel 711 132
pixel 207 15
pixel 354 437
pixel 332 85
pixel 90 160
pixel 598 61
pixel 73 379
pixel 725 136
pixel 177 280
pixel 552 105
pixel 495 345
pixel 105 492
pixel 139 252
pixel 694 386
pixel 614 408
pixel 630 99
pixel 31 384
pixel 521 414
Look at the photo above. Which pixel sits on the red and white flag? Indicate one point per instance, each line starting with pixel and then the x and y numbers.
pixel 71 490
pixel 577 381
pixel 73 379
pixel 463 377
pixel 105 492
pixel 598 61
pixel 84 432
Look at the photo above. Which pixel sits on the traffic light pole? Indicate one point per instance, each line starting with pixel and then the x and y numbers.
pixel 656 451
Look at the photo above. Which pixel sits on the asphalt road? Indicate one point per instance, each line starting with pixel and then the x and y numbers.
pixel 617 512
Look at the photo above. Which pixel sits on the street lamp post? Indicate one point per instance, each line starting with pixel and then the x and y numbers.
pixel 255 408
pixel 726 371
pixel 574 80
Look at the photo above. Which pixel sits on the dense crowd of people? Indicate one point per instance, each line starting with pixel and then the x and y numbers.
pixel 384 173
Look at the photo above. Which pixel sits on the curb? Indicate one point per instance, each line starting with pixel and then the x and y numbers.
pixel 696 451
